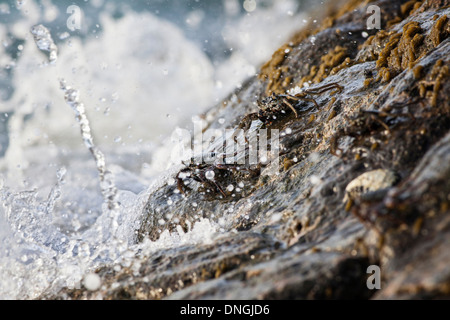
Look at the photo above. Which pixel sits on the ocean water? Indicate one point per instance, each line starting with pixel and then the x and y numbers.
pixel 86 117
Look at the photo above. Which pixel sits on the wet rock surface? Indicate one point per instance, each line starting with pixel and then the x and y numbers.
pixel 291 235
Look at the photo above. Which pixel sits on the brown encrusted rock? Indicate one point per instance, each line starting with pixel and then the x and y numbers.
pixel 291 235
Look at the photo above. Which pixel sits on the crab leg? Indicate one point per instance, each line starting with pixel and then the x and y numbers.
pixel 219 188
pixel 324 88
pixel 298 97
pixel 290 106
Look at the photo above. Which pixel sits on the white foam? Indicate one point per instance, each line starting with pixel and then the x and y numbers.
pixel 54 230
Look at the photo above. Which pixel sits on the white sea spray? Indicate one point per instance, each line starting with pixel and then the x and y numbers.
pixel 55 225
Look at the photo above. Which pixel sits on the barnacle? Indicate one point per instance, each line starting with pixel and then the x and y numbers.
pixel 279 77
pixel 369 182
pixel 432 84
pixel 418 72
pixel 398 51
pixel 332 62
pixel 438 33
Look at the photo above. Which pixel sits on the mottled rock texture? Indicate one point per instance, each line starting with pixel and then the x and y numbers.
pixel 291 235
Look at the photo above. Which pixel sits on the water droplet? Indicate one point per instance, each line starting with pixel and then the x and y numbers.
pixel 114 97
pixel 92 282
pixel 230 188
pixel 249 5
pixel 61 173
pixel 209 175
pixel 276 217
pixel 20 3
pixel 315 180
pixel 314 157
pixel 64 35
pixel 44 41
pixel 169 216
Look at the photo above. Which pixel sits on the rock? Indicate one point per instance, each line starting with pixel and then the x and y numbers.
pixel 288 235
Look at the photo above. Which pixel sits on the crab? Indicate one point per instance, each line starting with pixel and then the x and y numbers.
pixel 364 121
pixel 209 175
pixel 271 110
pixel 276 107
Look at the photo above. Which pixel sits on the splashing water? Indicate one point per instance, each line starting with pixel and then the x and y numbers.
pixel 45 42
pixel 106 178
pixel 63 215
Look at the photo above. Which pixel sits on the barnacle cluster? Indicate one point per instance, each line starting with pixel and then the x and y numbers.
pixel 397 51
pixel 280 77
